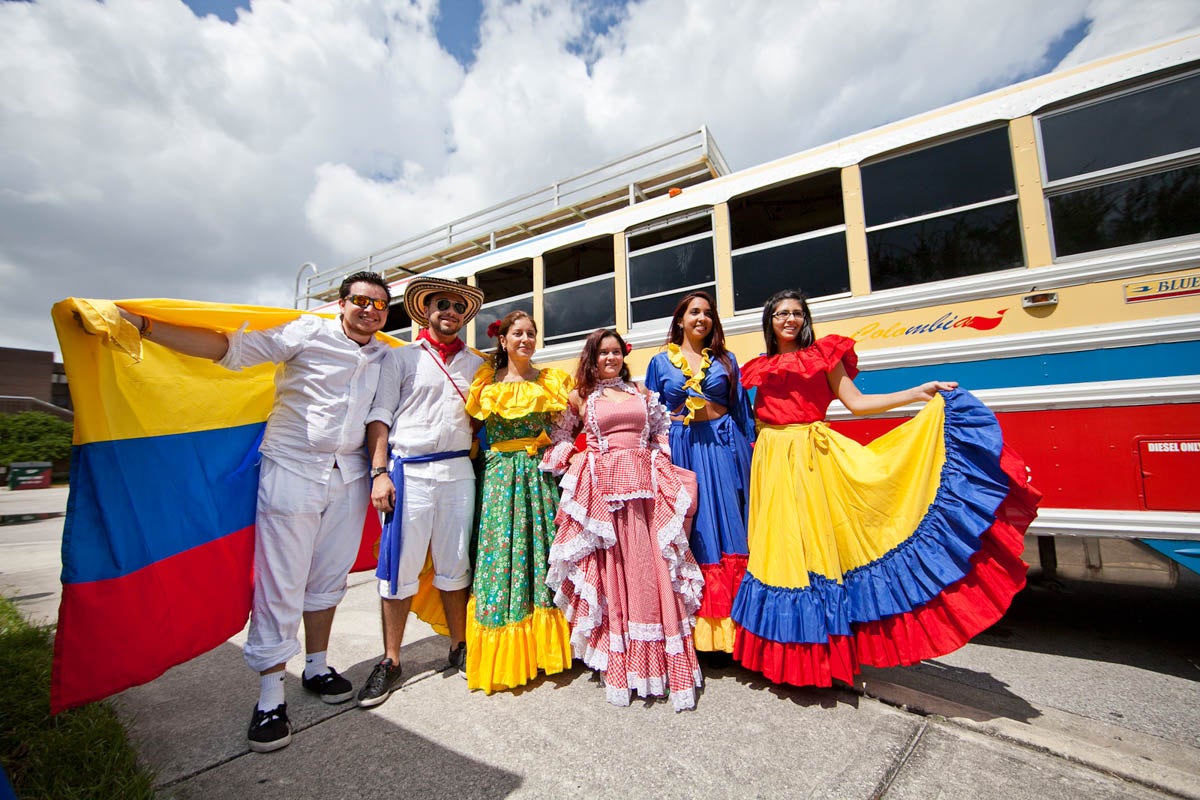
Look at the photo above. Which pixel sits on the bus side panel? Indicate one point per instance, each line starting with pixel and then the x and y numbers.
pixel 1099 458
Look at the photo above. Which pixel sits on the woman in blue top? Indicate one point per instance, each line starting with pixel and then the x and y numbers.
pixel 712 425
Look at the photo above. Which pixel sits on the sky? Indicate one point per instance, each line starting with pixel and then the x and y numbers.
pixel 206 150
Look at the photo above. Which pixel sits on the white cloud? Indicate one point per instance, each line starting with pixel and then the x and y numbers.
pixel 146 152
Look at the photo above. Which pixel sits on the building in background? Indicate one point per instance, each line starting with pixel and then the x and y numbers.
pixel 31 380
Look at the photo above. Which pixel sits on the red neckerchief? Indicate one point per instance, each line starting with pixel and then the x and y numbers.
pixel 446 351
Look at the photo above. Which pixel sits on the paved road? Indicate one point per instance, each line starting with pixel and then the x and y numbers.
pixel 1089 693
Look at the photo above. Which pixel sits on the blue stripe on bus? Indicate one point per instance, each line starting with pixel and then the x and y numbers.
pixel 135 502
pixel 1112 364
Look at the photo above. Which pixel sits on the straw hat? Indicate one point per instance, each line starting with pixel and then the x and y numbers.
pixel 419 289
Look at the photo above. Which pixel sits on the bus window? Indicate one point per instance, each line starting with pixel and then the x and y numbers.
pixel 792 235
pixel 579 295
pixel 1124 169
pixel 399 324
pixel 505 289
pixel 942 212
pixel 666 260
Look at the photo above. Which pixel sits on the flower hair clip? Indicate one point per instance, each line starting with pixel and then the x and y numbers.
pixel 493 330
pixel 628 348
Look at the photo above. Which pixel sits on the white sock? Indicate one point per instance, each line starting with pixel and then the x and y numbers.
pixel 270 691
pixel 314 664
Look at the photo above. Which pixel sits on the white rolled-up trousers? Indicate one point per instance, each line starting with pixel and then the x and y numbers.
pixel 306 538
pixel 438 515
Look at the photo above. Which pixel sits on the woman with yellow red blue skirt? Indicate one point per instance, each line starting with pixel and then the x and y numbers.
pixel 884 554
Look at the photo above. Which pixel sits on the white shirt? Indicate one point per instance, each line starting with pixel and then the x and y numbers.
pixel 323 391
pixel 426 413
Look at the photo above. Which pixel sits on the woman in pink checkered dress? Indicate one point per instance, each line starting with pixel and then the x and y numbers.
pixel 620 564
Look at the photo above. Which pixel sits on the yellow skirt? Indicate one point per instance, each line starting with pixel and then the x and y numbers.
pixel 510 656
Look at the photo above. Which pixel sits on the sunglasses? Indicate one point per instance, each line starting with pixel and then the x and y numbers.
pixel 444 305
pixel 362 301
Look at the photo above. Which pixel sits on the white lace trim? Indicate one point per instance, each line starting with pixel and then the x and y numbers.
pixel 596 659
pixel 616 642
pixel 684 699
pixel 646 631
pixel 687 580
pixel 556 459
pixel 647 685
pixel 583 625
pixel 616 502
pixel 657 433
pixel 595 534
pixel 618 697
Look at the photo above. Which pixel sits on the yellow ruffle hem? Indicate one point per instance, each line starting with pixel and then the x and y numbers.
pixel 507 657
pixel 515 399
pixel 713 634
pixel 825 504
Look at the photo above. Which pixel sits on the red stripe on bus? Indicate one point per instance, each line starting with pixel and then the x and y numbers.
pixel 1079 457
pixel 1165 296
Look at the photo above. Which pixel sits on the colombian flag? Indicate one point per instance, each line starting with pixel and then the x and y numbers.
pixel 158 544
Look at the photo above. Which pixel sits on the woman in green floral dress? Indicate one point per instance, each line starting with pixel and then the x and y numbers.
pixel 513 627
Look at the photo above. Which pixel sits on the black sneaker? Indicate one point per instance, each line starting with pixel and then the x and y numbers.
pixel 458 659
pixel 330 687
pixel 385 679
pixel 269 730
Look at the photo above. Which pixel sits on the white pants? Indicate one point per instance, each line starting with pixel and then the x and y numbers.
pixel 306 538
pixel 437 519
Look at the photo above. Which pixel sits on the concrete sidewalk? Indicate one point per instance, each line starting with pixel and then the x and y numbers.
pixel 558 737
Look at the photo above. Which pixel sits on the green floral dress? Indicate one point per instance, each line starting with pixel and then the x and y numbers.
pixel 516 526
pixel 513 627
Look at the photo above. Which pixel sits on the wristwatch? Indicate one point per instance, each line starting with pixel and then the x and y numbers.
pixel 377 471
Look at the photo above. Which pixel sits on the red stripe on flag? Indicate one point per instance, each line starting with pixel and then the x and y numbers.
pixel 368 548
pixel 117 633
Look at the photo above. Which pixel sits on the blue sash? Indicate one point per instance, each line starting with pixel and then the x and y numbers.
pixel 391 537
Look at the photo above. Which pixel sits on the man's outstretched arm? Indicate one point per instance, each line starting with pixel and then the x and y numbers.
pixel 198 342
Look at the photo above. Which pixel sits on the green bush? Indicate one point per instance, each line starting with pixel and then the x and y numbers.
pixel 33 436
pixel 81 753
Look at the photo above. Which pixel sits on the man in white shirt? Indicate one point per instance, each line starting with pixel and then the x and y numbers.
pixel 313 483
pixel 426 482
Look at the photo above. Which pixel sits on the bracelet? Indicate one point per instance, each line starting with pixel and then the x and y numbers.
pixel 147 327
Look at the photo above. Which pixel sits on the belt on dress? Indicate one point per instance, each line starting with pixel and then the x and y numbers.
pixel 817 438
pixel 530 444
pixel 391 536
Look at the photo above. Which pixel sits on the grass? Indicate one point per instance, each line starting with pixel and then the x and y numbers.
pixel 81 753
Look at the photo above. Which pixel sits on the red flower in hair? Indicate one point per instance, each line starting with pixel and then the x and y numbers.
pixel 628 348
pixel 493 330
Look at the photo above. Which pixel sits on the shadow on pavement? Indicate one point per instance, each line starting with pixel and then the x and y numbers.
pixel 954 691
pixel 192 731
pixel 1116 624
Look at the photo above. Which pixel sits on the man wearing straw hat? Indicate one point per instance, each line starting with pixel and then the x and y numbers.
pixel 419 439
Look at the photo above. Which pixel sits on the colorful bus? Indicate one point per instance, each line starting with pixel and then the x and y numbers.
pixel 1040 244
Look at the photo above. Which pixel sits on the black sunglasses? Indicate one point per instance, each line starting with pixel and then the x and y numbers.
pixel 444 305
pixel 362 301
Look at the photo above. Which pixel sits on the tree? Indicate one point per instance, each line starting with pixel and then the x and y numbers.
pixel 33 436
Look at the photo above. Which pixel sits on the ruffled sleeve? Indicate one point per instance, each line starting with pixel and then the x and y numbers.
pixel 658 422
pixel 565 426
pixel 822 356
pixel 515 399
pixel 483 379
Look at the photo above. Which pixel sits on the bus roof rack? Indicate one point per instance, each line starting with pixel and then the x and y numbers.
pixel 678 162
